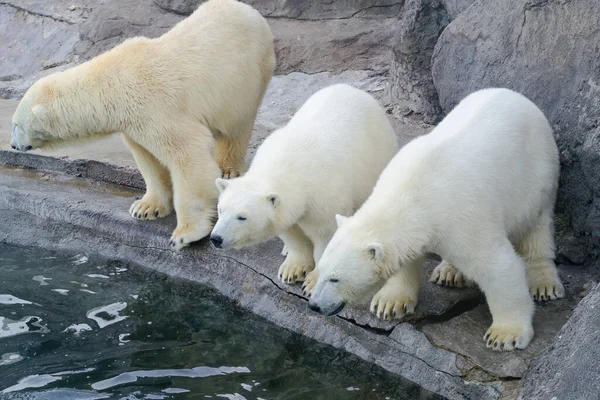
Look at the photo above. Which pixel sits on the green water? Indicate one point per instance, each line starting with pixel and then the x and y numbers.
pixel 73 327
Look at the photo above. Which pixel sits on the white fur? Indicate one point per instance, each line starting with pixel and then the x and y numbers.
pixel 185 103
pixel 325 161
pixel 484 180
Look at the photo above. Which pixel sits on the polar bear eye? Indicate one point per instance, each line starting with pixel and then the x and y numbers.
pixel 241 218
pixel 334 280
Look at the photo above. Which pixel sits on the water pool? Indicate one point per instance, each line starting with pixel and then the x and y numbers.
pixel 81 327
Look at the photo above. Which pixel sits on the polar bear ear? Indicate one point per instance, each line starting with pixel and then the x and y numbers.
pixel 40 112
pixel 376 251
pixel 274 199
pixel 221 184
pixel 340 219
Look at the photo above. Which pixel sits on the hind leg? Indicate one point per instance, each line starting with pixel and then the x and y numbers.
pixel 537 249
pixel 230 151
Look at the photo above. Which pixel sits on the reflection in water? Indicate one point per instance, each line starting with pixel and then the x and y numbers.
pixel 9 299
pixel 37 381
pixel 107 315
pixel 9 327
pixel 198 372
pixel 151 337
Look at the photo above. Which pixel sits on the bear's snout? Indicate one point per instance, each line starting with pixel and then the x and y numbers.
pixel 216 240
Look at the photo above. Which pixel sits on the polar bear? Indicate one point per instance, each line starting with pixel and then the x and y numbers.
pixel 184 102
pixel 479 190
pixel 326 160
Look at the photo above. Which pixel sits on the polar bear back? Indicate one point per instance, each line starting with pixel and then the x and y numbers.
pixel 333 148
pixel 213 65
pixel 491 162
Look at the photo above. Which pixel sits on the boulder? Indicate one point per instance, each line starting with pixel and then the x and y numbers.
pixel 546 50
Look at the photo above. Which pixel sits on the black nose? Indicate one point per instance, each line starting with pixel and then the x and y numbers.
pixel 314 307
pixel 216 240
pixel 28 148
pixel 13 146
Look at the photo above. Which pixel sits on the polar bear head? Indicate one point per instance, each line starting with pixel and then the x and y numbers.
pixel 248 214
pixel 354 265
pixel 33 124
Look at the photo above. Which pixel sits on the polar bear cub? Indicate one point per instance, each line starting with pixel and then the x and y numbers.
pixel 479 190
pixel 184 102
pixel 326 160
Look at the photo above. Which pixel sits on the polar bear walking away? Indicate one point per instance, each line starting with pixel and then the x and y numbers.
pixel 479 190
pixel 184 102
pixel 326 160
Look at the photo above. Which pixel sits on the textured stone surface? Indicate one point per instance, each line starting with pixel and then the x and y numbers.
pixel 547 50
pixel 61 212
pixel 411 89
pixel 472 325
pixel 569 369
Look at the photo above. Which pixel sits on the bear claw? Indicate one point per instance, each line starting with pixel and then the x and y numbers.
pixel 148 209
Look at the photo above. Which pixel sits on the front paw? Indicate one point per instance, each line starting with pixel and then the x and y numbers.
pixel 390 303
pixel 149 208
pixel 309 283
pixel 507 337
pixel 293 270
pixel 186 233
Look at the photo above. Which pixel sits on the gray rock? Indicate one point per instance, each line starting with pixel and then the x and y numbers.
pixel 569 369
pixel 411 88
pixel 464 335
pixel 455 7
pixel 545 49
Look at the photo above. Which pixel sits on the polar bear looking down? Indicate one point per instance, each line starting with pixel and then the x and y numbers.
pixel 479 191
pixel 326 160
pixel 184 102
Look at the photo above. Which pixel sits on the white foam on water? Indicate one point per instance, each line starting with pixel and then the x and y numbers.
pixel 112 310
pixel 61 291
pixel 197 372
pixel 76 329
pixel 79 283
pixel 10 299
pixel 87 291
pixel 10 358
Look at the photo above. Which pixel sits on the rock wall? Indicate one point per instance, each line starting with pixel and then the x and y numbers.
pixel 549 51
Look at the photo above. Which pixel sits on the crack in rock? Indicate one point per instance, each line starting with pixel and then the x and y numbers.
pixel 37 14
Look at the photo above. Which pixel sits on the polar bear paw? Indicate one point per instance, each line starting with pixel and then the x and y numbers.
pixel 292 271
pixel 447 275
pixel 230 172
pixel 309 283
pixel 149 208
pixel 547 289
pixel 389 304
pixel 186 233
pixel 507 337
pixel 544 283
